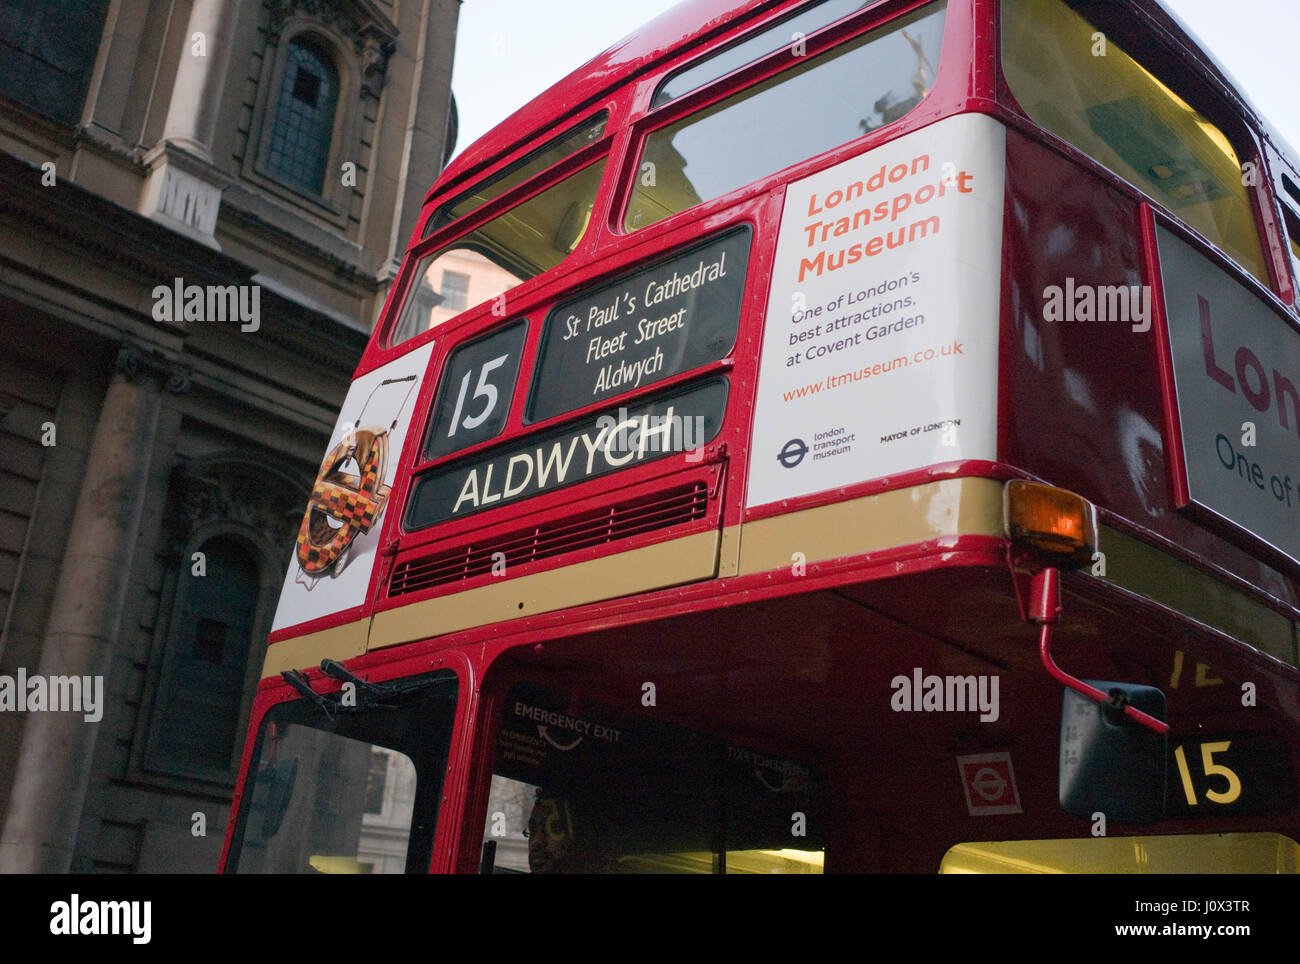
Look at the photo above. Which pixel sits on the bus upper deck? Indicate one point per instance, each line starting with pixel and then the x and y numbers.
pixel 700 500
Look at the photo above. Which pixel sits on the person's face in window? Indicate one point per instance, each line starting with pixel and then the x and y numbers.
pixel 550 837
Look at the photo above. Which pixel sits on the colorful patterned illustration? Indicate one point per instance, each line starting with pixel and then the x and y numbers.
pixel 354 502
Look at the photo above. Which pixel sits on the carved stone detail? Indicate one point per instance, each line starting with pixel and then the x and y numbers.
pixel 374 64
pixel 372 35
pixel 134 361
pixel 233 491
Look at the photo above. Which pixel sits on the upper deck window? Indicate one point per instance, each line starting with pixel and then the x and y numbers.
pixel 526 167
pixel 1292 222
pixel 787 31
pixel 522 242
pixel 1077 83
pixel 823 102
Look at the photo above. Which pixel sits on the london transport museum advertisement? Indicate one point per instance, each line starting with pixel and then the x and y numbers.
pixel 879 355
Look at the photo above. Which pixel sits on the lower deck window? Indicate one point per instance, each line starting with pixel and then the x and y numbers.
pixel 351 791
pixel 1223 853
pixel 582 789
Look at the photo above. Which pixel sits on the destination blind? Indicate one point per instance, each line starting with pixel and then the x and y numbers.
pixel 682 419
pixel 645 327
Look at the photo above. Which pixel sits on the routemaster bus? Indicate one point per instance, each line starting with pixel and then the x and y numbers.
pixel 868 439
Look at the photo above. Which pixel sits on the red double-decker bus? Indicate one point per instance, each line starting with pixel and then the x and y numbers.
pixel 817 436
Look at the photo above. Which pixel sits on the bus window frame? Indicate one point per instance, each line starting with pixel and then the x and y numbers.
pixel 535 141
pixel 468 327
pixel 445 237
pixel 507 665
pixel 272 692
pixel 478 790
pixel 1290 223
pixel 754 31
pixel 1148 44
pixel 447 198
pixel 939 102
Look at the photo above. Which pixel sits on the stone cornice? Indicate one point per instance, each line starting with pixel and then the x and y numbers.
pixel 190 162
pixel 270 219
pixel 112 233
pixel 115 236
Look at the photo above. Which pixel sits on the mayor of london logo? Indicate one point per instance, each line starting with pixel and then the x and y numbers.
pixel 344 503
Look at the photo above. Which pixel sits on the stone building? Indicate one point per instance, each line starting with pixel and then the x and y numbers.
pixel 202 206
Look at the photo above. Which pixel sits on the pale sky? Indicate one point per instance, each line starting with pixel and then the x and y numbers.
pixel 508 51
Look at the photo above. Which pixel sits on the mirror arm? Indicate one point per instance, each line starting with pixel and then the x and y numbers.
pixel 1045 609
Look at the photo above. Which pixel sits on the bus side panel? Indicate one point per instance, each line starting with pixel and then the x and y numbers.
pixel 1103 434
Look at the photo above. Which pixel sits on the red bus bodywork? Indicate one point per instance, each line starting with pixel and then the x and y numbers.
pixel 808 651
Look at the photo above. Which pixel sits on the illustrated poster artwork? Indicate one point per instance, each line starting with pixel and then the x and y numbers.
pixel 338 537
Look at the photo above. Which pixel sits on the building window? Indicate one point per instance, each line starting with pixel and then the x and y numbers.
pixel 455 290
pixel 304 117
pixel 376 780
pixel 203 686
pixel 47 53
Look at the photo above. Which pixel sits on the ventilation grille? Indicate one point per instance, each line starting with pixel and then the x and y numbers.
pixel 600 526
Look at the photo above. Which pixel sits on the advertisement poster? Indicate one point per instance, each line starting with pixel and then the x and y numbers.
pixel 880 347
pixel 1236 371
pixel 339 534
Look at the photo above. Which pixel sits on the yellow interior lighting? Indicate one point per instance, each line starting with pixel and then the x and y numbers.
pixel 337 865
pixel 1226 853
pixel 1084 88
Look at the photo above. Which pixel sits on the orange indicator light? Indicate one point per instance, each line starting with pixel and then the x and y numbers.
pixel 1051 521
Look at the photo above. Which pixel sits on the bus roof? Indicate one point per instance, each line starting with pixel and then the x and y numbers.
pixel 687 22
pixel 695 20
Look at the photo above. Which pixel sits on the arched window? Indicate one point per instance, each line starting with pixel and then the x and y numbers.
pixel 304 116
pixel 212 634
